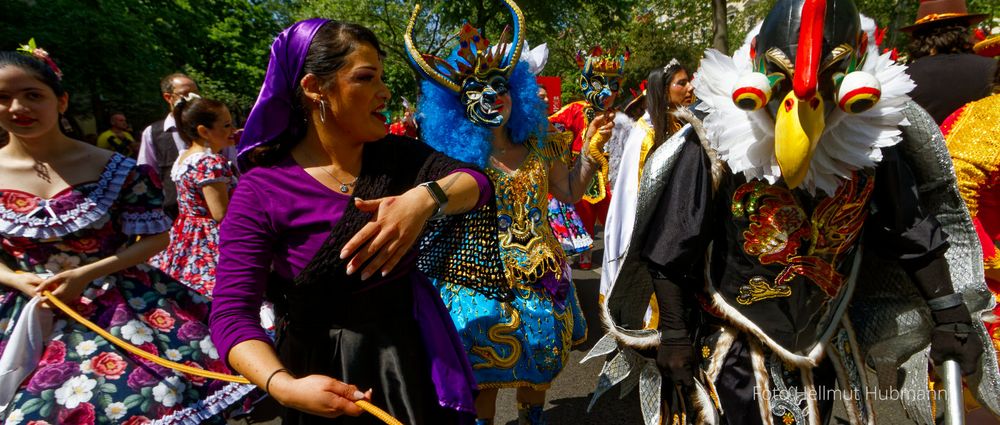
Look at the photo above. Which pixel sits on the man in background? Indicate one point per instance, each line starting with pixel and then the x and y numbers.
pixel 946 71
pixel 162 143
pixel 117 138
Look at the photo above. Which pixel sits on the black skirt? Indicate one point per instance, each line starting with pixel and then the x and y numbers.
pixel 370 340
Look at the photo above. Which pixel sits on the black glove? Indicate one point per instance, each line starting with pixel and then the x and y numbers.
pixel 955 338
pixel 676 356
pixel 677 361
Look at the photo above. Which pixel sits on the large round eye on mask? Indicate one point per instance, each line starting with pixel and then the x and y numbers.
pixel 535 215
pixel 859 91
pixel 613 85
pixel 752 91
pixel 499 85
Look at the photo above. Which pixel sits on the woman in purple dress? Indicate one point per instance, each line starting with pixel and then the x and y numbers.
pixel 324 224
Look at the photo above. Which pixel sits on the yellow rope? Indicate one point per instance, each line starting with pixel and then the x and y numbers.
pixel 138 351
pixel 366 406
pixel 378 413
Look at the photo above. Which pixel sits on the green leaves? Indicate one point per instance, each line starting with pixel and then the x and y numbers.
pixel 31 406
pixel 48 399
pixel 114 52
pixel 134 400
pixel 28 48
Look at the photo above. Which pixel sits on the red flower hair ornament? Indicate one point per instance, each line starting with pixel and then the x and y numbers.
pixel 33 50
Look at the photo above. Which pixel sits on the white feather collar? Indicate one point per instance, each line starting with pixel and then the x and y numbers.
pixel 745 140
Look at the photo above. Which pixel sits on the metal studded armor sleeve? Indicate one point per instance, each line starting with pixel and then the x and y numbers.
pixel 892 320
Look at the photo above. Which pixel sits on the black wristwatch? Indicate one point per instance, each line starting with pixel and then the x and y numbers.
pixel 439 196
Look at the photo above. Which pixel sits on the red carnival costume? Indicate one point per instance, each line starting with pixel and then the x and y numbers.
pixel 600 80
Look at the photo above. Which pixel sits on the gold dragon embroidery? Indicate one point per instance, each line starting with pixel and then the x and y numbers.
pixel 500 335
pixel 779 228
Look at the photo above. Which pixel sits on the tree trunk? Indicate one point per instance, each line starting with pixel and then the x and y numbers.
pixel 97 108
pixel 720 26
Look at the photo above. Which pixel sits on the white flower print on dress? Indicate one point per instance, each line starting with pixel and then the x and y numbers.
pixel 14 418
pixel 137 332
pixel 169 391
pixel 137 303
pixel 173 355
pixel 86 348
pixel 61 262
pixel 115 410
pixel 78 389
pixel 208 347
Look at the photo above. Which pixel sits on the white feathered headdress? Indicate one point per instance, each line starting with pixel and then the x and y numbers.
pixel 742 130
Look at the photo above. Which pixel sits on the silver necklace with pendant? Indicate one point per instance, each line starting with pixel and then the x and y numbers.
pixel 344 187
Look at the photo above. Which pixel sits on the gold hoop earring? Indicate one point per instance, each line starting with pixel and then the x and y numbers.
pixel 322 111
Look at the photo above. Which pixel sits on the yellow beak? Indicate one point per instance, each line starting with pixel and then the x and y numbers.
pixel 797 129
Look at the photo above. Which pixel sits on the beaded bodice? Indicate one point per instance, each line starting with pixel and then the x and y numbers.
pixel 528 248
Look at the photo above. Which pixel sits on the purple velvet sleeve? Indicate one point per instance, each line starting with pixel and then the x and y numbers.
pixel 485 188
pixel 246 242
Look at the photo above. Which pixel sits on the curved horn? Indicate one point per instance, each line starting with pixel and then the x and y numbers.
pixel 417 60
pixel 517 43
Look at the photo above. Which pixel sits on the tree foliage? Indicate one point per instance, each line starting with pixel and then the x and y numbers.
pixel 547 21
pixel 114 52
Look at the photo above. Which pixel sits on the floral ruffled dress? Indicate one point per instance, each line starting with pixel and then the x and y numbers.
pixel 568 228
pixel 194 238
pixel 81 377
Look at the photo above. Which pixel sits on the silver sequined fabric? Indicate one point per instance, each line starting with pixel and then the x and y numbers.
pixel 891 318
pixel 630 295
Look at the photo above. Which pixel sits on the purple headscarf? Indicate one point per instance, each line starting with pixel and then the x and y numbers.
pixel 275 114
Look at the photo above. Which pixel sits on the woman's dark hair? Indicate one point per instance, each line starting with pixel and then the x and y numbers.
pixel 658 100
pixel 189 114
pixel 327 54
pixel 943 39
pixel 36 67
